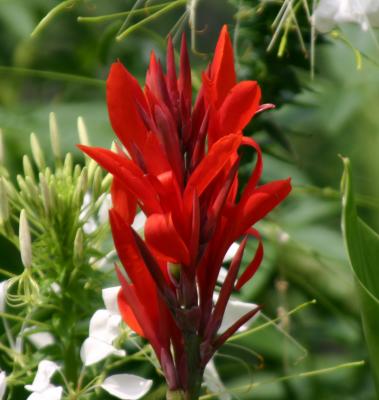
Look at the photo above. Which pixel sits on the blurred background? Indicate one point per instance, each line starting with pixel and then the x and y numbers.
pixel 63 67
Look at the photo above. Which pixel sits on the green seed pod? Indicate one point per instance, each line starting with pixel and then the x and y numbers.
pixel 23 186
pixel 78 247
pixel 25 240
pixel 28 168
pixel 80 188
pixel 82 131
pixel 77 172
pixel 46 198
pixel 4 202
pixel 32 188
pixel 54 136
pixel 37 152
pixel 68 165
pixel 92 165
pixel 106 183
pixel 96 185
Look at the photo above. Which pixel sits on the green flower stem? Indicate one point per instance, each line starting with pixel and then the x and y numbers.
pixel 195 371
pixel 307 374
pixel 52 75
pixel 21 319
pixel 64 5
pixel 150 18
pixel 110 17
pixel 272 322
pixel 6 273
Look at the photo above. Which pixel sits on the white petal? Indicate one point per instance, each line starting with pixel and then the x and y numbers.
pixel 222 275
pixel 3 294
pixel 90 226
pixel 139 221
pixel 3 384
pixel 105 206
pixel 324 15
pixel 213 382
pixel 234 311
pixel 93 351
pixel 110 299
pixel 126 386
pixel 104 326
pixel 231 252
pixel 46 370
pixel 50 393
pixel 55 288
pixel 41 339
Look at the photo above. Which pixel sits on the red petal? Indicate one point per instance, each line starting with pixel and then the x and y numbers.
pixel 184 81
pixel 123 202
pixel 252 268
pixel 218 156
pixel 239 107
pixel 128 315
pixel 222 69
pixel 129 175
pixel 161 235
pixel 261 201
pixel 171 79
pixel 123 93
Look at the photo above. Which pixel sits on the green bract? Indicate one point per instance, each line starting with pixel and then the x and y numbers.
pixel 362 245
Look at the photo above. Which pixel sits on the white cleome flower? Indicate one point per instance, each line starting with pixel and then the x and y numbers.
pixel 127 386
pixel 236 309
pixel 3 384
pixel 104 328
pixel 213 382
pixel 41 339
pixel 41 387
pixel 330 13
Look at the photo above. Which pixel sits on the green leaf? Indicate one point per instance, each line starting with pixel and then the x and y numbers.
pixel 362 245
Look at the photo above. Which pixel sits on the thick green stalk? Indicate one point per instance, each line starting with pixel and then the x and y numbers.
pixel 194 368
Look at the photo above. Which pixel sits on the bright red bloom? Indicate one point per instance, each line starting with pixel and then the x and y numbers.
pixel 181 168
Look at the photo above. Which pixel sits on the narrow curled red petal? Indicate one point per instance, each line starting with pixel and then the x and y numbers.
pixel 260 202
pixel 252 268
pixel 226 290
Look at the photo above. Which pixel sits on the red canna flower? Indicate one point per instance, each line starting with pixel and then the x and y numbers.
pixel 179 164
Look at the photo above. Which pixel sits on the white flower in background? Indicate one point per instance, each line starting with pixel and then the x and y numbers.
pixel 213 382
pixel 3 295
pixel 127 386
pixel 41 340
pixel 106 205
pixel 41 387
pixel 231 252
pixel 139 221
pixel 330 13
pixel 235 309
pixel 3 384
pixel 104 328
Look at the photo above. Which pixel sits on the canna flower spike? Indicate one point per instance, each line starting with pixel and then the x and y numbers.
pixel 179 165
